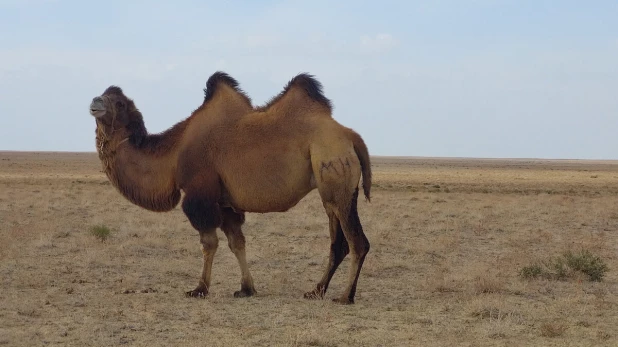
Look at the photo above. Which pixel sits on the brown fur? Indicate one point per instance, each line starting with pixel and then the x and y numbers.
pixel 229 158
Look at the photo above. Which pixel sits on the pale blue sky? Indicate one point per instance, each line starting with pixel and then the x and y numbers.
pixel 480 78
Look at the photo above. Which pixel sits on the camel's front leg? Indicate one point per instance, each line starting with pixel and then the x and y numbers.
pixel 205 217
pixel 210 242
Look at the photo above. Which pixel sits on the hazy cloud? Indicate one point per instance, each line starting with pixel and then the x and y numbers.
pixel 380 43
pixel 266 41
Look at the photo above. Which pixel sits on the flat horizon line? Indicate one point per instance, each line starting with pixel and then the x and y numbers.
pixel 392 157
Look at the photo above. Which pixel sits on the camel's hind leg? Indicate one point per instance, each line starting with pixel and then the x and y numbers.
pixel 358 242
pixel 337 171
pixel 338 250
pixel 231 226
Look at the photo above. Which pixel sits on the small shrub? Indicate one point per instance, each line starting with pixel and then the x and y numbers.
pixel 586 262
pixel 557 268
pixel 568 266
pixel 100 231
pixel 531 271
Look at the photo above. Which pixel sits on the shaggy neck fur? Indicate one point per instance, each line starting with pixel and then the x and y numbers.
pixel 144 175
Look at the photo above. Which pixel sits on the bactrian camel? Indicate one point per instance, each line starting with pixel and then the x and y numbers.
pixel 229 158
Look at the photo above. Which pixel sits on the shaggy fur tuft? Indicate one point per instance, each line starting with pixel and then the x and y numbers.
pixel 221 77
pixel 113 90
pixel 312 86
pixel 309 84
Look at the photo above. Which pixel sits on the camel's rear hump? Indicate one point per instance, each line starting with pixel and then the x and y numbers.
pixel 302 94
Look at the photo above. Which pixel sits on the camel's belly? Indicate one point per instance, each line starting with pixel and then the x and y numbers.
pixel 258 199
pixel 270 191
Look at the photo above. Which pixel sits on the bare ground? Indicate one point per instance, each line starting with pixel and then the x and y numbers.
pixel 448 236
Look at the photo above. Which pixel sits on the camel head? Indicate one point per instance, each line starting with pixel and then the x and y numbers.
pixel 116 114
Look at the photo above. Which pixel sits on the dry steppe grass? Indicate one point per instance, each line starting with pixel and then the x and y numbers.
pixel 449 240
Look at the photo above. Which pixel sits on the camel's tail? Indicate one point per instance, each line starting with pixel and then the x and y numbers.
pixel 363 156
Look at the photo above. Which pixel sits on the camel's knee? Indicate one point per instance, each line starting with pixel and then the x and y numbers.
pixel 364 247
pixel 358 242
pixel 236 242
pixel 232 228
pixel 340 249
pixel 202 213
pixel 209 241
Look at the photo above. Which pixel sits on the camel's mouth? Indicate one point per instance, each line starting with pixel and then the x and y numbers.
pixel 97 113
pixel 97 107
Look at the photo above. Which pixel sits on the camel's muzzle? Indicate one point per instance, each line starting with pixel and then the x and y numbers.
pixel 97 107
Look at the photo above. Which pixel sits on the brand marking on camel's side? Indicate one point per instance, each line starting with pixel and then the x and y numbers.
pixel 327 166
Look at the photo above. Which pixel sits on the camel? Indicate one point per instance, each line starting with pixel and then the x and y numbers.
pixel 229 158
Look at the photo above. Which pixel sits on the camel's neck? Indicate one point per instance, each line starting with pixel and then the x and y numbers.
pixel 144 176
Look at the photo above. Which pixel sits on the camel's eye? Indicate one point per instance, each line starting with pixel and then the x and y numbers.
pixel 119 104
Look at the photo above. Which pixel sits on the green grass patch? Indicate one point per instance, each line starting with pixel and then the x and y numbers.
pixel 568 265
pixel 101 232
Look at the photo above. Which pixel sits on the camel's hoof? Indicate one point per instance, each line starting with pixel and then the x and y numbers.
pixel 244 293
pixel 197 293
pixel 343 301
pixel 314 295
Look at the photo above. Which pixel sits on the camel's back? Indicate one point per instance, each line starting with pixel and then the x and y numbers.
pixel 264 159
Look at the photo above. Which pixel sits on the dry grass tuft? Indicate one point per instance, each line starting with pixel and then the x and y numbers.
pixel 552 329
pixel 495 308
pixel 604 335
pixel 442 282
pixel 485 284
pixel 490 313
pixel 45 241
